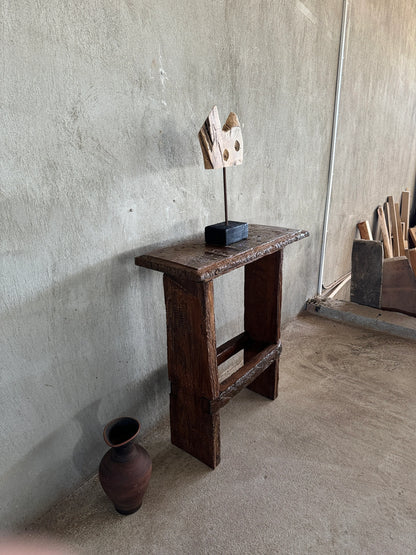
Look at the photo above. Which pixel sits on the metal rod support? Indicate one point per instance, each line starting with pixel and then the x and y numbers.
pixel 224 175
pixel 333 143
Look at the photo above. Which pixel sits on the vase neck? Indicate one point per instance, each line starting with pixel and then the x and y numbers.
pixel 122 453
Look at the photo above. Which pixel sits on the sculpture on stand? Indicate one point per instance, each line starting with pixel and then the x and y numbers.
pixel 222 148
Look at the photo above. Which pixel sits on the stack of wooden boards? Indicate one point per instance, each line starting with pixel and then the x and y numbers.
pixel 383 275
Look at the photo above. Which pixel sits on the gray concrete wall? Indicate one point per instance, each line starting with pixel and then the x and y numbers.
pixel 377 140
pixel 101 105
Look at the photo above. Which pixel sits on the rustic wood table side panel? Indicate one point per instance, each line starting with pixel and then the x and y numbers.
pixel 262 306
pixel 192 367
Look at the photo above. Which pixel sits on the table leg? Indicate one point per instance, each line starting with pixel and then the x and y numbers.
pixel 262 308
pixel 192 367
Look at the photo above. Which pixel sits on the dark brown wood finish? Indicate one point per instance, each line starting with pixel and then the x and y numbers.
pixel 231 347
pixel 366 272
pixel 262 306
pixel 197 395
pixel 196 261
pixel 190 323
pixel 398 291
pixel 245 375
pixel 192 367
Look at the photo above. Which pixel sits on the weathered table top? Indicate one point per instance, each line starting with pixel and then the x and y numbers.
pixel 197 261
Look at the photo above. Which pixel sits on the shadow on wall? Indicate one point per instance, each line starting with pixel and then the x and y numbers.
pixel 85 350
pixel 174 147
pixel 138 399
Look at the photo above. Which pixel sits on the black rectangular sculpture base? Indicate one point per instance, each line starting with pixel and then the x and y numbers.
pixel 222 234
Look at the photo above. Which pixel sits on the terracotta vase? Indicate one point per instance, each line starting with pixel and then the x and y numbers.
pixel 126 468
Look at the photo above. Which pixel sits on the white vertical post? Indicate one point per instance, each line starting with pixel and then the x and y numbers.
pixel 333 143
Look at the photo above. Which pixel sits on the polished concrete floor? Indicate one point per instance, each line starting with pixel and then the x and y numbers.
pixel 329 467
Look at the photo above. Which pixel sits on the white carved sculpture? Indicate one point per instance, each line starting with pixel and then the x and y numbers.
pixel 221 148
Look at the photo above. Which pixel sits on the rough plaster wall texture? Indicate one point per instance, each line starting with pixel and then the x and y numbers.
pixel 376 134
pixel 101 104
pixel 284 80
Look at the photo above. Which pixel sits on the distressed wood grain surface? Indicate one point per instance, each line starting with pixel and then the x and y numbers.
pixel 197 261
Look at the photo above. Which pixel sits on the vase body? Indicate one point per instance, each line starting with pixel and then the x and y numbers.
pixel 126 468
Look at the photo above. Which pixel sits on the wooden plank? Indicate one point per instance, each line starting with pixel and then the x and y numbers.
pixel 269 353
pixel 192 353
pixel 388 220
pixel 377 235
pixel 412 235
pixel 333 288
pixel 399 230
pixel 193 428
pixel 388 253
pixel 365 230
pixel 411 255
pixel 197 261
pixel 245 375
pixel 405 240
pixel 405 212
pixel 366 273
pixel 399 286
pixel 231 347
pixel 192 367
pixel 393 229
pixel 262 308
pixel 340 286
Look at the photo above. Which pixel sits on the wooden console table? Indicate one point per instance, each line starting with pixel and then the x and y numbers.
pixel 197 394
